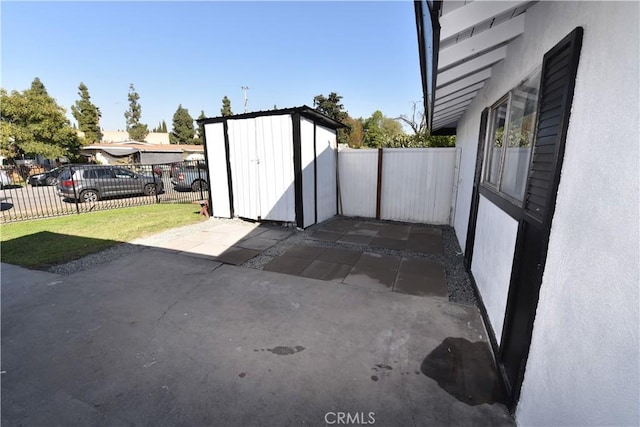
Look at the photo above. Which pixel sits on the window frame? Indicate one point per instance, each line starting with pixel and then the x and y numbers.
pixel 486 166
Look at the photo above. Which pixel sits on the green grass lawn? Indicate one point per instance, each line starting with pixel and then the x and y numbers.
pixel 46 242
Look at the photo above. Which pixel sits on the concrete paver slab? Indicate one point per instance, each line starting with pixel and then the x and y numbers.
pixel 304 251
pixel 340 256
pixel 191 342
pixel 324 270
pixel 395 231
pixel 374 271
pixel 327 236
pixel 180 244
pixel 208 248
pixel 237 256
pixel 340 225
pixel 426 244
pixel 389 243
pixel 288 264
pixel 421 277
pixel 256 243
pixel 368 225
pixel 276 234
pixel 355 238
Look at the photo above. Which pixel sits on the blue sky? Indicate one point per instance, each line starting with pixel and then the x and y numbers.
pixel 194 53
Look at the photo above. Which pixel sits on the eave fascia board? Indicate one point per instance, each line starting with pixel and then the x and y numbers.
pixel 453 109
pixel 482 42
pixel 472 14
pixel 454 101
pixel 470 80
pixel 469 67
pixel 448 119
pixel 460 93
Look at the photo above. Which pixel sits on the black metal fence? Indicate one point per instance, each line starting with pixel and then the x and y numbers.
pixel 30 192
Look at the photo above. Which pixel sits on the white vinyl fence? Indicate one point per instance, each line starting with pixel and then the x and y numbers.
pixel 414 185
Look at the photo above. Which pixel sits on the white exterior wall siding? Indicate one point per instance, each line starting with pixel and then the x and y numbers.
pixel 217 170
pixel 582 367
pixel 308 155
pixel 275 168
pixel 417 184
pixel 358 180
pixel 492 259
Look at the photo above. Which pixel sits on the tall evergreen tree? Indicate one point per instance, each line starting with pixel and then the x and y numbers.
pixel 32 123
pixel 164 127
pixel 332 107
pixel 200 132
pixel 87 115
pixel 183 131
pixel 137 131
pixel 226 107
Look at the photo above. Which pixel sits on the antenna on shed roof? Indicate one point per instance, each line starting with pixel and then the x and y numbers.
pixel 246 100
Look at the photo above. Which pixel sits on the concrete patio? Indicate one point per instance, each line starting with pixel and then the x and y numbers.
pixel 168 338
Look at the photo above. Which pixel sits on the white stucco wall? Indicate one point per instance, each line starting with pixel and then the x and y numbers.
pixel 492 259
pixel 583 366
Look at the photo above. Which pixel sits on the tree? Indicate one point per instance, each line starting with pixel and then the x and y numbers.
pixel 164 127
pixel 356 132
pixel 32 123
pixel 421 135
pixel 87 115
pixel 226 107
pixel 183 131
pixel 137 131
pixel 199 140
pixel 332 107
pixel 380 129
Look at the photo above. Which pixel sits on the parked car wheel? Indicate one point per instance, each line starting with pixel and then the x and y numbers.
pixel 51 180
pixel 89 196
pixel 150 190
pixel 199 184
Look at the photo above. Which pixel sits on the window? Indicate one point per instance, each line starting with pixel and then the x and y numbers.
pixel 124 174
pixel 510 139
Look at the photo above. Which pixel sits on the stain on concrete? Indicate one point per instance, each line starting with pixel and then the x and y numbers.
pixel 465 370
pixel 286 351
pixel 382 366
pixel 374 377
pixel 242 374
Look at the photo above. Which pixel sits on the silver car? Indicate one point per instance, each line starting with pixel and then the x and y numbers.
pixel 92 183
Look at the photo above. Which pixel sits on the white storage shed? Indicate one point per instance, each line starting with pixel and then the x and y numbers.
pixel 277 165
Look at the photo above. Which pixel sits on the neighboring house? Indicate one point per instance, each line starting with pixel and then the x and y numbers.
pixel 277 165
pixel 141 152
pixel 110 136
pixel 543 98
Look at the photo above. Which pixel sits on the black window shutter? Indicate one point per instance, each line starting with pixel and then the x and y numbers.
pixel 475 195
pixel 559 69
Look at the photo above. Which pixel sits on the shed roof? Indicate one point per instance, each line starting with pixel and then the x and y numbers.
pixel 304 111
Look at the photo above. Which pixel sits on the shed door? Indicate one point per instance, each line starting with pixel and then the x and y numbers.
pixel 261 158
pixel 559 70
pixel 244 168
